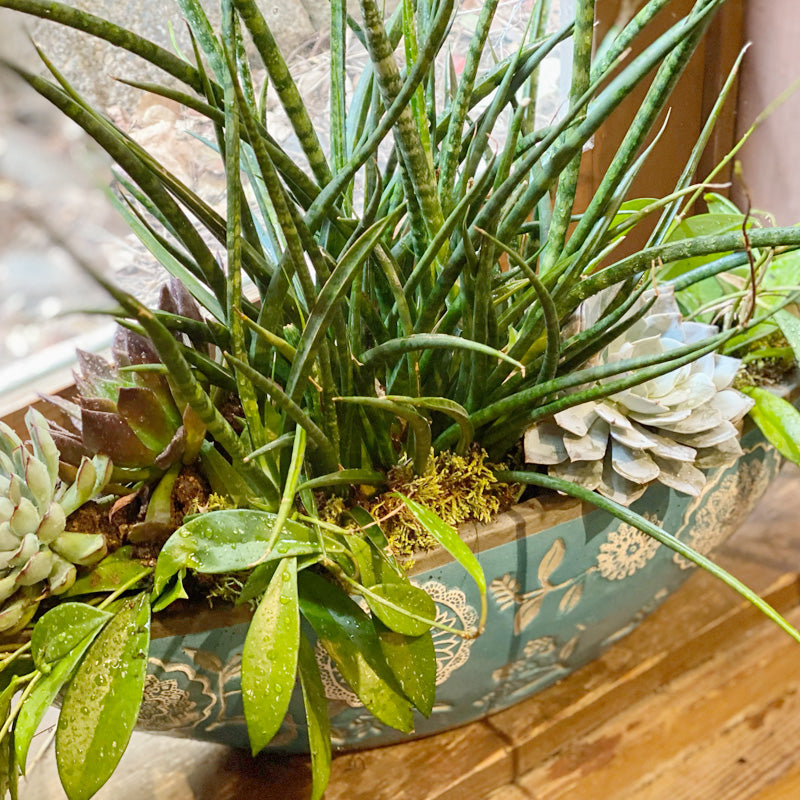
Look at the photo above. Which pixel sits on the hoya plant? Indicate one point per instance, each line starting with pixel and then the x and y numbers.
pixel 418 291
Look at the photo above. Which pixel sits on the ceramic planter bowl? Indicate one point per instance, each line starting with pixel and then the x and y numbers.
pixel 565 583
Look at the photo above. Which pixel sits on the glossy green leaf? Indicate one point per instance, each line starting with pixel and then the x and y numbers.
pixel 172 591
pixel 61 629
pixel 350 639
pixel 784 270
pixel 388 601
pixel 370 528
pixel 102 702
pixel 316 705
pixel 412 659
pixel 257 582
pixel 269 659
pixel 230 541
pixel 448 537
pixel 47 689
pixel 113 571
pixel 778 420
pixel 374 565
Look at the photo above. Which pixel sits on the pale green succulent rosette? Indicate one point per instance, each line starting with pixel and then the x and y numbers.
pixel 667 429
pixel 38 557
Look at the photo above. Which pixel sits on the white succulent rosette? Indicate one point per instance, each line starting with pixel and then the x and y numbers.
pixel 666 429
pixel 37 556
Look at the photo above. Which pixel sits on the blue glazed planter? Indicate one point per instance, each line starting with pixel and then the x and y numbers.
pixel 565 582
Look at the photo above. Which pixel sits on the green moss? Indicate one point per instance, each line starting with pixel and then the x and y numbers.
pixel 767 363
pixel 214 502
pixel 457 488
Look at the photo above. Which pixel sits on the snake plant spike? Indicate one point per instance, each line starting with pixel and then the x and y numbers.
pixel 666 429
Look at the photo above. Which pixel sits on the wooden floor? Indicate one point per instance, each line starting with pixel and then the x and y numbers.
pixel 701 701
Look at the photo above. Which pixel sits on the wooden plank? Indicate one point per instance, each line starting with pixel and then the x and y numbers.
pixel 461 764
pixel 769 536
pixel 510 792
pixel 786 787
pixel 698 621
pixel 723 730
pixel 724 39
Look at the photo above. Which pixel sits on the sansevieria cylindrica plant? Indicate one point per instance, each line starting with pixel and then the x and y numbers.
pixel 412 288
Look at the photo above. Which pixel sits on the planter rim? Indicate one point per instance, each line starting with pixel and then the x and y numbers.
pixel 520 521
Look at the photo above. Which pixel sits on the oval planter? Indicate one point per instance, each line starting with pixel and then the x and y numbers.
pixel 565 582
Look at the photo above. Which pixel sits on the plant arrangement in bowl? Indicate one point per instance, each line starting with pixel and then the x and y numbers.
pixel 372 345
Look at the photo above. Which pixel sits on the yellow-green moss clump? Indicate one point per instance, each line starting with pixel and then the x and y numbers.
pixel 457 488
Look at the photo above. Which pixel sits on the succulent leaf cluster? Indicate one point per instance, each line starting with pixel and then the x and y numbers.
pixel 38 557
pixel 125 408
pixel 667 429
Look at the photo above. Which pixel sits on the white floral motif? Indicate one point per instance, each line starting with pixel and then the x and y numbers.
pixel 626 551
pixel 543 646
pixel 452 651
pixel 165 706
pixel 723 505
pixel 506 590
pixel 452 609
pixel 544 661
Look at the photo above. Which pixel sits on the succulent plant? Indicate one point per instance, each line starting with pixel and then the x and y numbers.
pixel 667 429
pixel 127 414
pixel 37 555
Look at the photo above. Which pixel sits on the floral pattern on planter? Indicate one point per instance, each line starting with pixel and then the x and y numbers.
pixel 728 505
pixel 506 591
pixel 626 551
pixel 544 661
pixel 166 706
pixel 557 599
